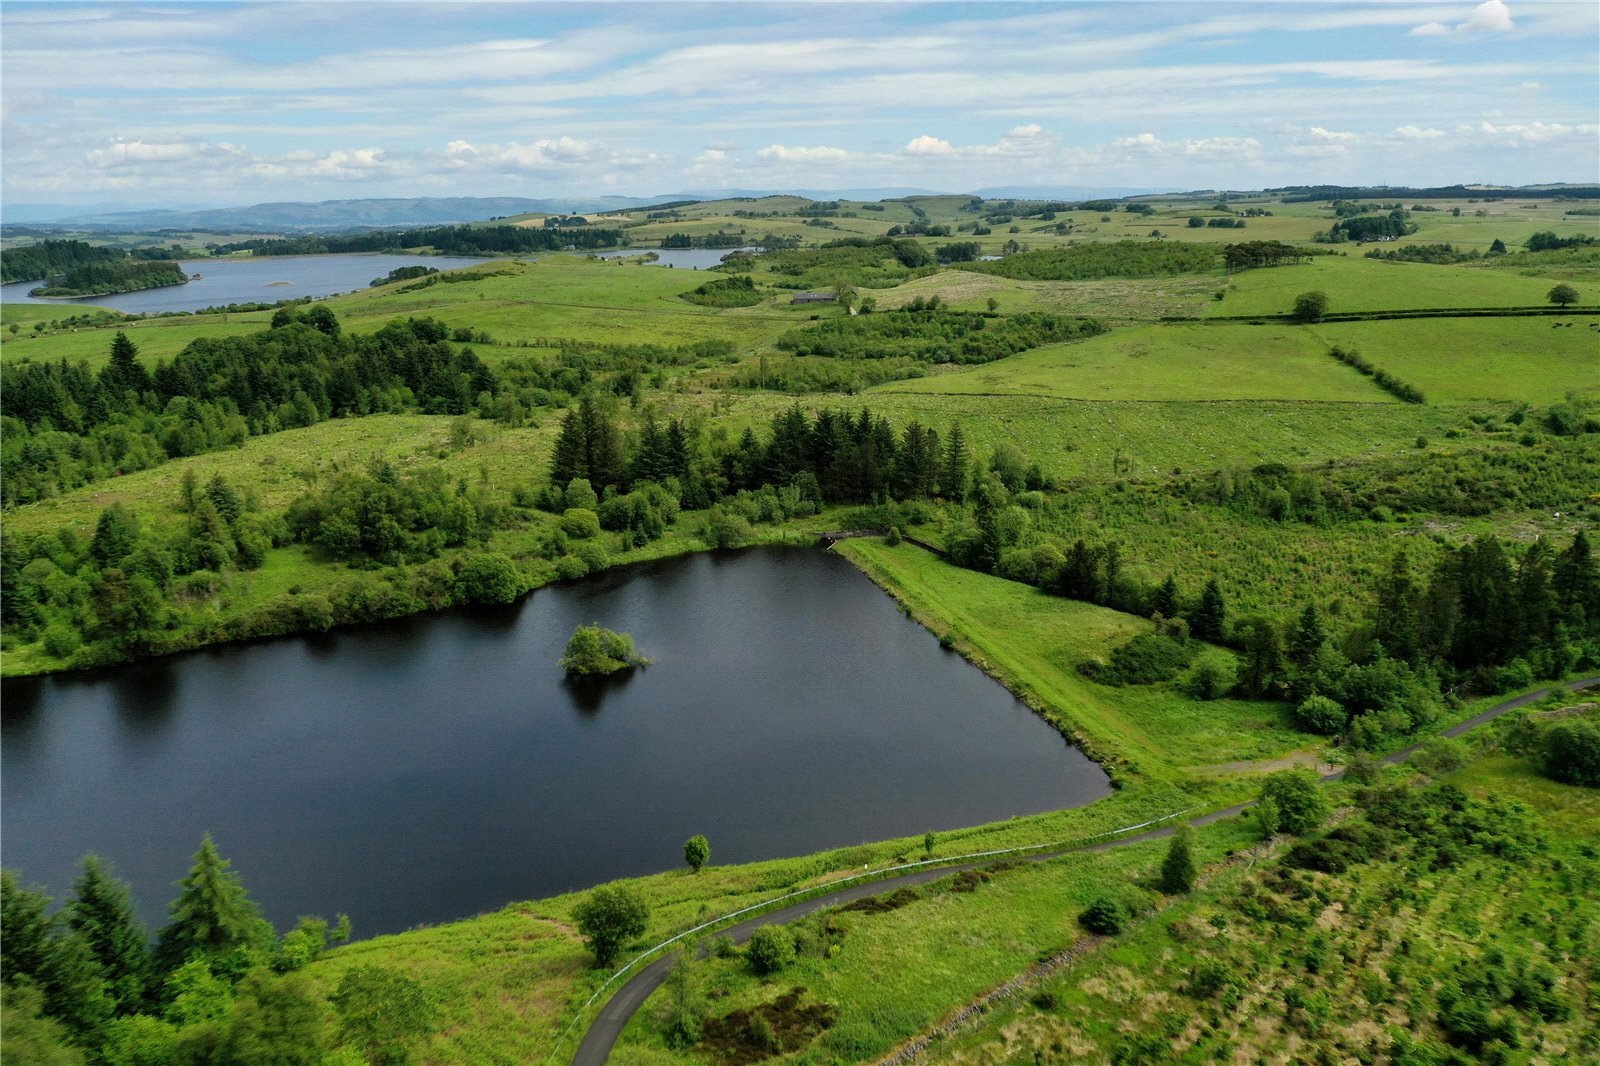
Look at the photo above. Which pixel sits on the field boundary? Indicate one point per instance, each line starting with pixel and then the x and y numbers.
pixel 1384 316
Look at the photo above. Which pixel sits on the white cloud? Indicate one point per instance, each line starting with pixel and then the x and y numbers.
pixel 778 153
pixel 926 145
pixel 1331 136
pixel 1416 133
pixel 1492 16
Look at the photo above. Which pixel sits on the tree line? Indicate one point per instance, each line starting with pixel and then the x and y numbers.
pixel 217 985
pixel 65 426
pixel 446 240
pixel 936 335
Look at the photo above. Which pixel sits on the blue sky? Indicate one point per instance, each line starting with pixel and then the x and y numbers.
pixel 151 102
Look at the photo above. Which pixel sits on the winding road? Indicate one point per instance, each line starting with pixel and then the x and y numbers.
pixel 595 1050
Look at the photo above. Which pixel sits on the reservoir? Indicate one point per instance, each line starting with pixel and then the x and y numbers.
pixel 440 766
pixel 264 279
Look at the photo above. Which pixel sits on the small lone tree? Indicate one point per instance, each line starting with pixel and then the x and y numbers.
pixel 608 919
pixel 1177 870
pixel 1310 307
pixel 927 843
pixel 1300 802
pixel 1563 295
pixel 696 852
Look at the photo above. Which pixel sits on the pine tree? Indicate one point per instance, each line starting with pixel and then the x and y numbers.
pixel 568 462
pixel 123 373
pixel 1577 583
pixel 102 913
pixel 1210 618
pixel 213 917
pixel 953 471
pixel 1395 622
pixel 1178 870
pixel 25 931
pixel 1166 598
pixel 1308 637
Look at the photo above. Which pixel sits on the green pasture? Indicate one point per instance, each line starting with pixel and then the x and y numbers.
pixel 1129 438
pixel 1113 299
pixel 1462 360
pixel 1354 283
pixel 1185 362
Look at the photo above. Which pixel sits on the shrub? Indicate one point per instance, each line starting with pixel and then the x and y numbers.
pixel 61 640
pixel 1440 755
pixel 488 577
pixel 569 567
pixel 1209 680
pixel 1105 916
pixel 1310 307
pixel 771 949
pixel 1572 753
pixel 1319 714
pixel 580 523
pixel 1298 799
pixel 1178 870
pixel 696 852
pixel 609 918
pixel 1147 659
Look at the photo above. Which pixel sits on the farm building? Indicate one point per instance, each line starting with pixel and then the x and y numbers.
pixel 815 298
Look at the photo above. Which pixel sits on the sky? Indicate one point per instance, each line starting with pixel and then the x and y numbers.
pixel 156 102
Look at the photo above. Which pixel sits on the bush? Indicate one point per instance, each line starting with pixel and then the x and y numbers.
pixel 61 640
pixel 1105 916
pixel 488 577
pixel 1572 753
pixel 1440 755
pixel 771 949
pixel 1298 798
pixel 580 523
pixel 1319 714
pixel 696 852
pixel 569 567
pixel 1209 680
pixel 1147 659
pixel 609 918
pixel 1310 307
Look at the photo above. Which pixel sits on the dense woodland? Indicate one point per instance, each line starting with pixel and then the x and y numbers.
pixel 76 268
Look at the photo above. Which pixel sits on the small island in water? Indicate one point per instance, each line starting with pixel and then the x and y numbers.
pixel 74 268
pixel 594 650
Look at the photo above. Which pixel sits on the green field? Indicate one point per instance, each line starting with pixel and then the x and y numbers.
pixel 1358 284
pixel 1169 362
pixel 1462 360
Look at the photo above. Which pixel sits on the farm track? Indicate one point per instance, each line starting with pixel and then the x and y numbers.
pixel 602 1035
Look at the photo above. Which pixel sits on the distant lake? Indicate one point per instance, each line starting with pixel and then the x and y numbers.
pixel 263 279
pixel 680 258
pixel 440 766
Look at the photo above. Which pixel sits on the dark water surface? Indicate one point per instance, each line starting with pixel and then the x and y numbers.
pixel 262 279
pixel 437 767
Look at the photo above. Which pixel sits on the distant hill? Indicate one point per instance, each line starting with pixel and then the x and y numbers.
pixel 336 214
pixel 1066 192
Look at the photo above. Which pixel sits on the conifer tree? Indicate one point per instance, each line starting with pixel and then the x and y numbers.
pixel 1177 869
pixel 102 913
pixel 214 918
pixel 1209 621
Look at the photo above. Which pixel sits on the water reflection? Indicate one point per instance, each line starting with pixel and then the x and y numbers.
pixel 588 693
pixel 146 697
